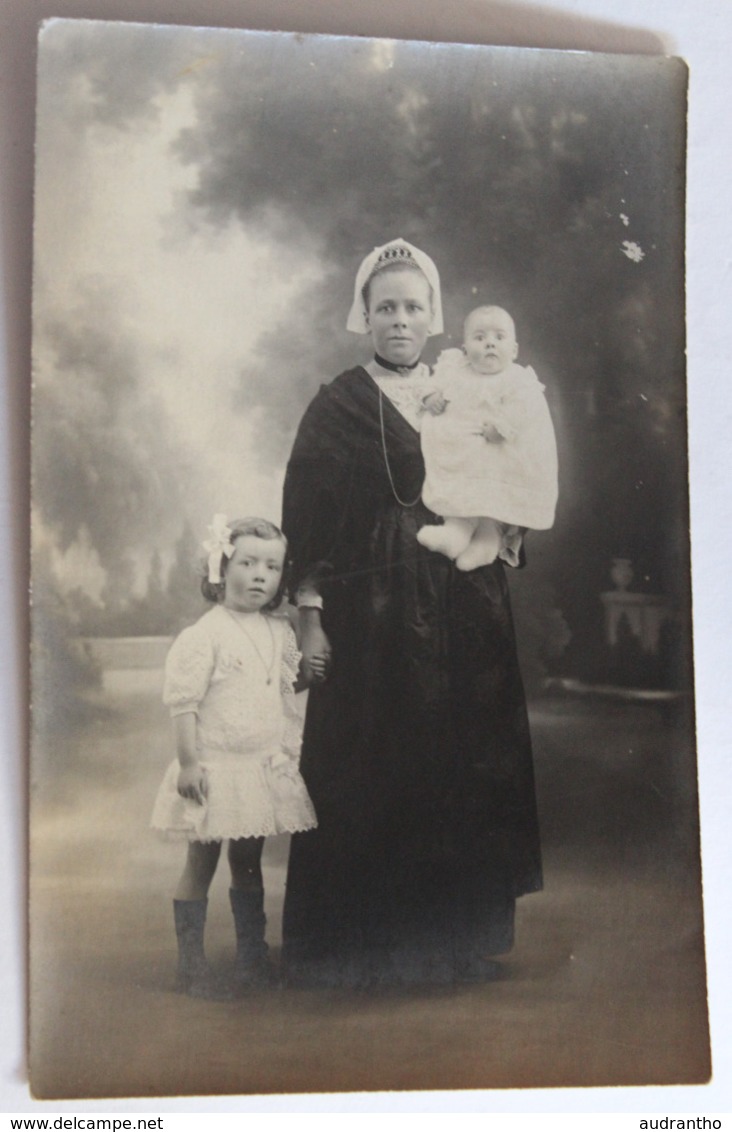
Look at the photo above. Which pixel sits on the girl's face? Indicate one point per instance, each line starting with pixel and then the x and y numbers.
pixel 253 573
pixel 399 315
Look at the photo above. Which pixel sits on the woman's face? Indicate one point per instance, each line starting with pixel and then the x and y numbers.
pixel 399 315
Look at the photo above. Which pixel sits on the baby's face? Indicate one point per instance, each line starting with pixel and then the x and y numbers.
pixel 490 340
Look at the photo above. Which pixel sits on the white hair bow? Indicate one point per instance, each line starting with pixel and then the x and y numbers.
pixel 218 545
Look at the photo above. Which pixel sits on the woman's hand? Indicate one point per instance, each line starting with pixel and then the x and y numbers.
pixel 319 666
pixel 315 648
pixel 193 783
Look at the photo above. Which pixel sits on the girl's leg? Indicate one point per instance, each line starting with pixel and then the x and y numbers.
pixel 449 539
pixel 484 546
pixel 189 908
pixel 201 862
pixel 245 862
pixel 251 968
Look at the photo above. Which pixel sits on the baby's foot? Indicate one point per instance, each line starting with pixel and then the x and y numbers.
pixel 474 557
pixel 483 549
pixel 510 551
pixel 433 538
pixel 450 539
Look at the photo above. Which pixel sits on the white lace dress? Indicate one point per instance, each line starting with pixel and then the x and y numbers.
pixel 248 729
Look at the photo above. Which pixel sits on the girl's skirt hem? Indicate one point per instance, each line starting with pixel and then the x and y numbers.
pixel 247 797
pixel 189 835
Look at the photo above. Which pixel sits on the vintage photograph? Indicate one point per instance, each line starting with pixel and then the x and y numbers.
pixel 363 745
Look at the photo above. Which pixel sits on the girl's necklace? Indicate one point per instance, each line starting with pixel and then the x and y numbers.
pixel 267 667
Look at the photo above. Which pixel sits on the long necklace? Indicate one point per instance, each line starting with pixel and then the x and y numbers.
pixel 267 667
pixel 400 501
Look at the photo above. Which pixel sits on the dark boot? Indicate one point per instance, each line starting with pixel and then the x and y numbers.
pixel 252 966
pixel 194 974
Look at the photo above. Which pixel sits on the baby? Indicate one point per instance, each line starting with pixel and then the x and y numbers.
pixel 488 444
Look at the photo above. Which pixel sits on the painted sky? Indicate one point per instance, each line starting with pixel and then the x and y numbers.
pixel 203 199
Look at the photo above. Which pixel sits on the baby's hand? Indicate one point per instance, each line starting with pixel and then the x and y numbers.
pixel 192 783
pixel 434 403
pixel 490 433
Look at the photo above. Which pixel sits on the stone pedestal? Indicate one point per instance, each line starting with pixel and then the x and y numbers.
pixel 645 614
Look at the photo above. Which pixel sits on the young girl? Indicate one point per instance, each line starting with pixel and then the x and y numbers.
pixel 229 683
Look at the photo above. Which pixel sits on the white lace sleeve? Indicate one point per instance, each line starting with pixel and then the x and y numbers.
pixel 188 670
pixel 292 705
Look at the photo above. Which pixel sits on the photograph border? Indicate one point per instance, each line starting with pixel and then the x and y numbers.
pixel 704 483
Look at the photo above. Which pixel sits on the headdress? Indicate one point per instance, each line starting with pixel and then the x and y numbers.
pixel 217 547
pixel 395 252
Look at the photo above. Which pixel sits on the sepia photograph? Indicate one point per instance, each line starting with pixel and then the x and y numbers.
pixel 363 727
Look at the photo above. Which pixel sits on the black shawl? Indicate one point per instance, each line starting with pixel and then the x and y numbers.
pixel 416 750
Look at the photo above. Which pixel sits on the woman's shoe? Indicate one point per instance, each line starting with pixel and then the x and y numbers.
pixel 477 969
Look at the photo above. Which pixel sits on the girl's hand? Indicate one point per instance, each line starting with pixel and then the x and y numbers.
pixel 315 649
pixel 192 783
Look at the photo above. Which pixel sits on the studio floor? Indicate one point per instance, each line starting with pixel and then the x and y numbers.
pixel 605 986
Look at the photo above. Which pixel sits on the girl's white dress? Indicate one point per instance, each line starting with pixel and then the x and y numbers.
pixel 248 730
pixel 514 480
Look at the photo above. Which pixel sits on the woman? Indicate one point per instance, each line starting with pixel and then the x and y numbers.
pixel 416 750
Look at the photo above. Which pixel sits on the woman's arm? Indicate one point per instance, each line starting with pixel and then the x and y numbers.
pixel 308 512
pixel 301 619
pixel 314 646
pixel 315 512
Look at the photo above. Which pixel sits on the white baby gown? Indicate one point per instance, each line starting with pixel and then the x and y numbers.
pixel 513 480
pixel 248 731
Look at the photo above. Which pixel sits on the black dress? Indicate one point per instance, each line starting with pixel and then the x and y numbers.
pixel 416 751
